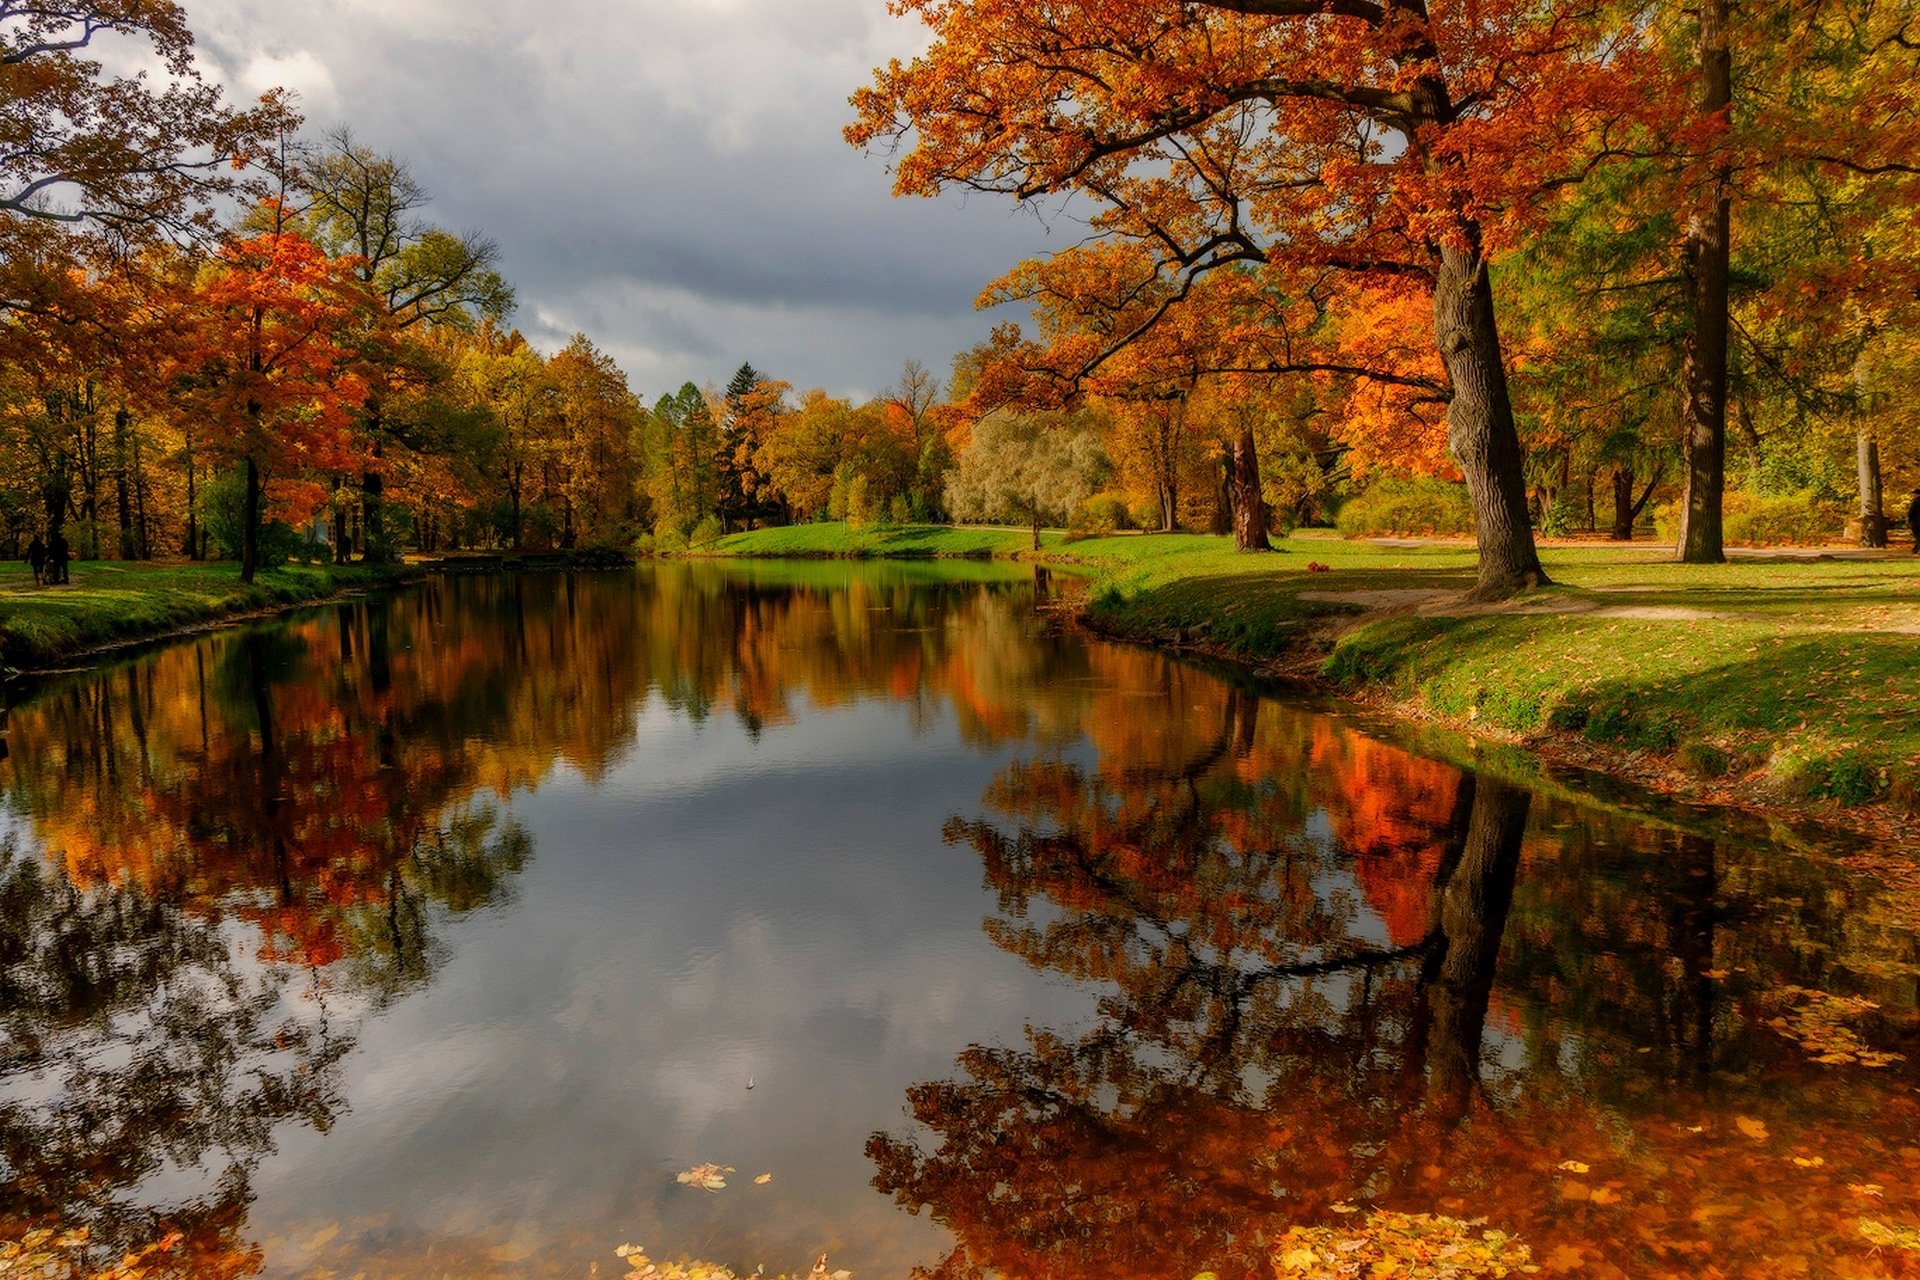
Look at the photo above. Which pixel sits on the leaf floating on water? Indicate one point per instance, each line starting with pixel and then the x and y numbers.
pixel 1755 1129
pixel 1416 1246
pixel 641 1267
pixel 707 1177
pixel 763 1180
pixel 1886 1235
pixel 1818 1022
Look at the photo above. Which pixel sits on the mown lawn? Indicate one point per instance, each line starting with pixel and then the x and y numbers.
pixel 110 601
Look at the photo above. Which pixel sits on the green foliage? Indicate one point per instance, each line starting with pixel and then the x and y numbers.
pixel 225 505
pixel 1028 469
pixel 706 532
pixel 1103 513
pixel 1561 517
pixel 1800 518
pixel 1407 505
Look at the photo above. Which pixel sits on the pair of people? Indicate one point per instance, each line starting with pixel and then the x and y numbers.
pixel 49 560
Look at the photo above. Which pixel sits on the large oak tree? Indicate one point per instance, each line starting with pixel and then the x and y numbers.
pixel 1396 141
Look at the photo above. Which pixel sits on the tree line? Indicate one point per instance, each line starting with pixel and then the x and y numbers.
pixel 1593 262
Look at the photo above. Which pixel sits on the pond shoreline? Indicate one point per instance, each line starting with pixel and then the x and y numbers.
pixel 1385 626
pixel 113 607
pixel 1303 665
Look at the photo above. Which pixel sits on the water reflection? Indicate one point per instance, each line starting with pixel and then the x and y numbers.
pixel 1336 976
pixel 1273 968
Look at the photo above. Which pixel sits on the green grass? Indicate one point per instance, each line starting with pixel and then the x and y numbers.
pixel 838 541
pixel 109 602
pixel 1796 674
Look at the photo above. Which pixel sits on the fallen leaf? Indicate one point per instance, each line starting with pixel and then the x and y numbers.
pixel 1575 1166
pixel 1755 1129
pixel 707 1177
pixel 763 1179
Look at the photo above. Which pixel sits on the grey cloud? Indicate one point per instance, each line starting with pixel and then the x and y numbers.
pixel 668 176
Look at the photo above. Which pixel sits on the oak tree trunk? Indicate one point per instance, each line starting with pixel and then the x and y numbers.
pixel 1480 425
pixel 1623 512
pixel 1705 263
pixel 1249 506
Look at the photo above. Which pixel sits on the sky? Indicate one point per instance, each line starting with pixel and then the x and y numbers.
pixel 666 176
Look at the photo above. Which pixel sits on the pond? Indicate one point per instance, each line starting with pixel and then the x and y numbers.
pixel 439 933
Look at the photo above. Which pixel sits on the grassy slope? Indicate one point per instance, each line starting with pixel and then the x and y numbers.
pixel 1794 674
pixel 109 602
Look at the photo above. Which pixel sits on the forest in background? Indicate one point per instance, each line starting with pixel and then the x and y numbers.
pixel 220 336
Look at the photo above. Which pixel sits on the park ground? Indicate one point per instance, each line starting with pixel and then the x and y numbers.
pixel 1787 683
pixel 108 603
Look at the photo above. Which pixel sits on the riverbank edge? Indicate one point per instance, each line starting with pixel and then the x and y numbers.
pixel 1323 646
pixel 183 612
pixel 98 633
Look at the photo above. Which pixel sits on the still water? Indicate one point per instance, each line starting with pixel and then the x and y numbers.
pixel 436 934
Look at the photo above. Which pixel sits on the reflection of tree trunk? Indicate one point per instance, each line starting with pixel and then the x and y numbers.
pixel 1473 900
pixel 1243 714
pixel 1695 911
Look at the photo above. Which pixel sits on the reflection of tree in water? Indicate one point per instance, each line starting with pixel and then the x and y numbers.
pixel 138 1045
pixel 1279 1030
pixel 258 846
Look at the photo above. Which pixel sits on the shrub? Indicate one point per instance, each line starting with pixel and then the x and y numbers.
pixel 1800 518
pixel 1145 513
pixel 1560 518
pixel 709 530
pixel 1407 505
pixel 1101 514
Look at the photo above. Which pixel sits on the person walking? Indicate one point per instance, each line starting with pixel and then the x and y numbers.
pixel 37 558
pixel 58 554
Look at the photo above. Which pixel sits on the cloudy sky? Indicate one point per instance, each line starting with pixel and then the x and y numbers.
pixel 666 176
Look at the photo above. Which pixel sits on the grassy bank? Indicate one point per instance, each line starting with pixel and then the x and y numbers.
pixel 1766 680
pixel 893 542
pixel 111 602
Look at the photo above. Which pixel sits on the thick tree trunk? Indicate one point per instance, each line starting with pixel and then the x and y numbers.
pixel 1623 511
pixel 1480 423
pixel 1873 514
pixel 250 519
pixel 1705 262
pixel 1249 506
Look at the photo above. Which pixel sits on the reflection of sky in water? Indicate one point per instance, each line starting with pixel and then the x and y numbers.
pixel 720 906
pixel 717 910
